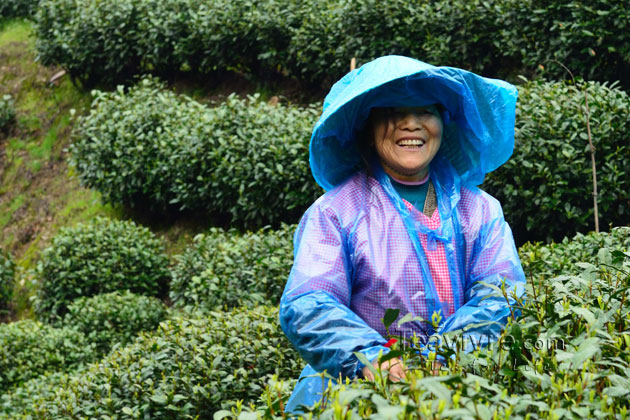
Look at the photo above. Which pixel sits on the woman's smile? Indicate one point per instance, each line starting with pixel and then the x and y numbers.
pixel 410 143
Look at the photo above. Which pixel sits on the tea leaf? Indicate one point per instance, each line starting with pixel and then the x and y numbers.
pixel 390 317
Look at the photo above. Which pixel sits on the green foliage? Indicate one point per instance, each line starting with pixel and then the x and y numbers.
pixel 30 348
pixel 227 269
pixel 189 367
pixel 99 257
pixel 90 40
pixel 114 318
pixel 546 186
pixel 17 9
pixel 253 166
pixel 244 158
pixel 568 356
pixel 7 278
pixel 127 147
pixel 474 35
pixel 7 112
pixel 590 39
pixel 159 36
pixel 460 33
pixel 249 36
pixel 554 259
pixel 315 40
pixel 13 401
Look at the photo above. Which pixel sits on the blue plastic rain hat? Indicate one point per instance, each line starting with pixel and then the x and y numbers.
pixel 478 116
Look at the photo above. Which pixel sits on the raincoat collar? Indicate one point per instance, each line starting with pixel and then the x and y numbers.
pixel 447 189
pixel 478 117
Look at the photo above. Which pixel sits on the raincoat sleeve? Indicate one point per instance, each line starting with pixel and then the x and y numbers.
pixel 493 258
pixel 314 308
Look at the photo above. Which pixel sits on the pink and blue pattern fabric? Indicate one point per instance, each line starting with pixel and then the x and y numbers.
pixel 354 260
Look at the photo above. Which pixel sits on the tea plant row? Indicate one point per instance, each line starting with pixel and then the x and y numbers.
pixel 219 270
pixel 88 331
pixel 315 40
pixel 244 159
pixel 192 365
pixel 247 160
pixel 203 359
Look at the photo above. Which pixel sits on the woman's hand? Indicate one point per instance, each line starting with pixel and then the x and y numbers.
pixel 396 368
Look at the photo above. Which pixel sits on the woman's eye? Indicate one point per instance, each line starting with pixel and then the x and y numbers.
pixel 399 113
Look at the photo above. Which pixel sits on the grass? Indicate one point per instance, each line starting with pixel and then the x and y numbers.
pixel 10 175
pixel 17 30
pixel 43 151
pixel 13 206
pixel 38 195
pixel 39 192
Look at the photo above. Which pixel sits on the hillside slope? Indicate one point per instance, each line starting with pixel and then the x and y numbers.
pixel 38 192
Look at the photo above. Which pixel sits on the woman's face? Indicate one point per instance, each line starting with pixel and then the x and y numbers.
pixel 406 139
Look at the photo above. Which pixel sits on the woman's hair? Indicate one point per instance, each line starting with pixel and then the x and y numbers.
pixel 366 143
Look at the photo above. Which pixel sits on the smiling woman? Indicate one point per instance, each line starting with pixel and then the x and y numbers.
pixel 400 148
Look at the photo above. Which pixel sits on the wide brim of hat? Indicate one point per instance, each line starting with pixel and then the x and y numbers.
pixel 478 116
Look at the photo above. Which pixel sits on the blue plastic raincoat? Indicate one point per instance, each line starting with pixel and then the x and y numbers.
pixel 361 249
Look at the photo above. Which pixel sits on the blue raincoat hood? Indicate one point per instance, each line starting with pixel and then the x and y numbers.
pixel 478 116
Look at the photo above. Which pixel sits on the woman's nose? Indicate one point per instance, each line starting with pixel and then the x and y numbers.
pixel 410 121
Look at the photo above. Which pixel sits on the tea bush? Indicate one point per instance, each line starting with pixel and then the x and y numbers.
pixel 7 278
pixel 243 158
pixel 91 41
pixel 160 36
pixel 462 33
pixel 227 269
pixel 17 9
pixel 114 318
pixel 546 187
pixel 554 259
pixel 244 36
pixel 315 40
pixel 128 146
pixel 99 257
pixel 14 400
pixel 192 366
pixel 500 38
pixel 30 348
pixel 567 357
pixel 589 40
pixel 7 112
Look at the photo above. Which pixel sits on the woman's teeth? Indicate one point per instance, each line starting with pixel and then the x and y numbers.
pixel 411 142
